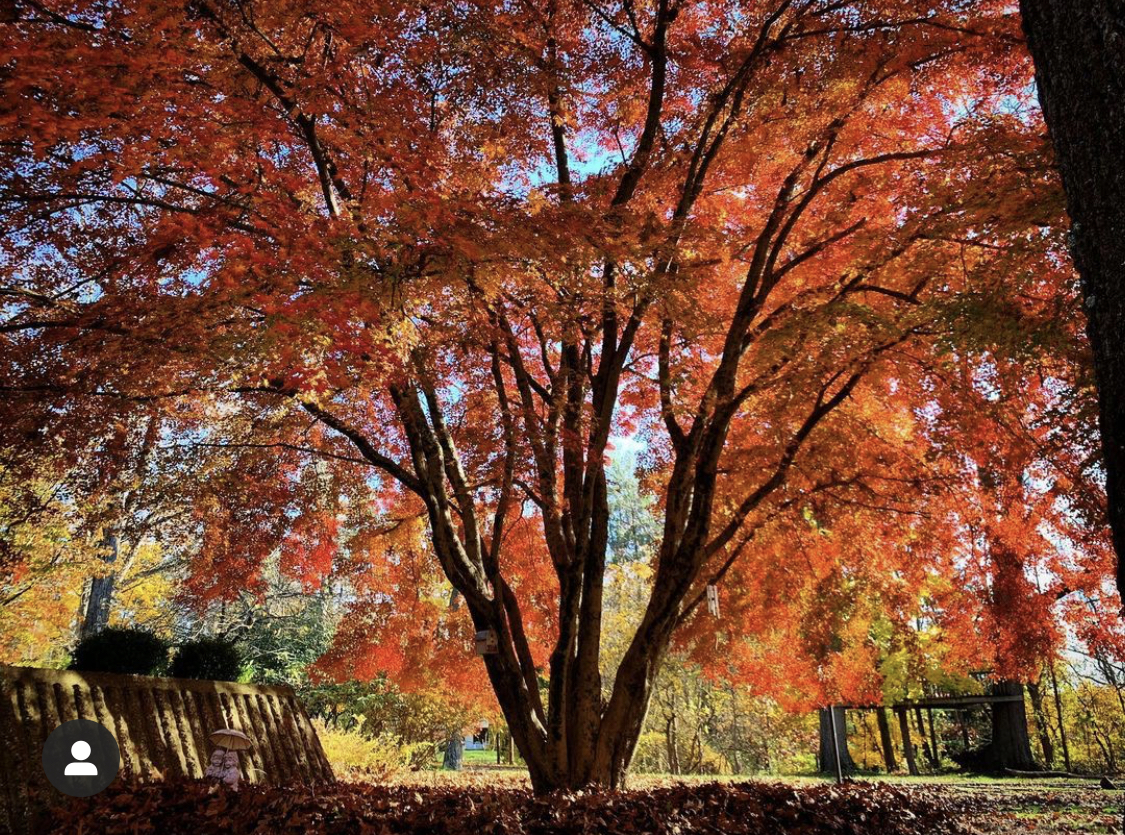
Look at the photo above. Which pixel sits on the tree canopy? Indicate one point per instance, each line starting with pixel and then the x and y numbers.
pixel 393 279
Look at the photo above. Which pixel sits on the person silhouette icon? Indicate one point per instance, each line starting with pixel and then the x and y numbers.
pixel 80 751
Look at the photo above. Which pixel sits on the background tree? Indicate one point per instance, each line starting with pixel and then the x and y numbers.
pixel 1080 74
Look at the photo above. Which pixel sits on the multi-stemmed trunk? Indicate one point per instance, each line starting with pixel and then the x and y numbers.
pixel 556 397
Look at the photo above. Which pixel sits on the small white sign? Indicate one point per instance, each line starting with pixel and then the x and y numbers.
pixel 713 599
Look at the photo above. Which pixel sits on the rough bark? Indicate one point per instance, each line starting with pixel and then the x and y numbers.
pixel 1079 52
pixel 827 749
pixel 885 740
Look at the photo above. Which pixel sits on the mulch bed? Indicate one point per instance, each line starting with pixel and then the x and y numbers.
pixel 730 808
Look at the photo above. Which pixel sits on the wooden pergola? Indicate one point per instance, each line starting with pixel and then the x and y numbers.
pixel 929 703
pixel 941 702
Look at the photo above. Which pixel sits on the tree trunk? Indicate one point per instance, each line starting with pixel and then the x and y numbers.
pixel 827 749
pixel 1042 725
pixel 1059 712
pixel 1079 52
pixel 671 745
pixel 100 598
pixel 885 740
pixel 1010 747
pixel 454 751
pixel 926 750
pixel 907 745
pixel 933 738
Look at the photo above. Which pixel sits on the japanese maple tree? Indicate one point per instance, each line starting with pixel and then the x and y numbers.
pixel 374 262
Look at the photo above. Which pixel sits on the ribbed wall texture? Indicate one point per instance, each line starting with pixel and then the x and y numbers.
pixel 161 726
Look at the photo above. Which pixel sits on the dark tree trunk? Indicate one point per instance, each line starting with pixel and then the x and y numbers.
pixel 885 740
pixel 1011 745
pixel 827 749
pixel 1042 725
pixel 907 745
pixel 1059 713
pixel 930 756
pixel 1079 52
pixel 454 751
pixel 672 745
pixel 98 602
pixel 933 739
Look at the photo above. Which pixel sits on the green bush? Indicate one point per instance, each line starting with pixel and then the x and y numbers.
pixel 211 659
pixel 117 650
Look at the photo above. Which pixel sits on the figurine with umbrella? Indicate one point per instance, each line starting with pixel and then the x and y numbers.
pixel 224 760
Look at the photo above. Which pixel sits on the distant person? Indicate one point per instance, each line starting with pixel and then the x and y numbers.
pixel 80 751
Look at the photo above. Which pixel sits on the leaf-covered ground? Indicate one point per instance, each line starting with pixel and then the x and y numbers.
pixel 680 809
pixel 354 808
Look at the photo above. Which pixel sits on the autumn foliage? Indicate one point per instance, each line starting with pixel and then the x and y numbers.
pixel 394 278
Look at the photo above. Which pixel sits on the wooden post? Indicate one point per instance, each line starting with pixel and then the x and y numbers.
pixel 836 745
pixel 907 745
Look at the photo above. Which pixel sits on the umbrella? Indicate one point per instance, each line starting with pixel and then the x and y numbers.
pixel 231 739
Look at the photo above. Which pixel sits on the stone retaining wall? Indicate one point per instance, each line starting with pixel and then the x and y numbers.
pixel 161 726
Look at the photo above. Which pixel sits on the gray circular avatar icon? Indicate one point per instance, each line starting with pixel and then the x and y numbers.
pixel 81 757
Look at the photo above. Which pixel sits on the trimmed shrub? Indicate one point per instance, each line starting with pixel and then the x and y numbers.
pixel 211 659
pixel 118 650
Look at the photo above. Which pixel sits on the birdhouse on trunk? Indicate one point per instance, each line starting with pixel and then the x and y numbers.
pixel 487 643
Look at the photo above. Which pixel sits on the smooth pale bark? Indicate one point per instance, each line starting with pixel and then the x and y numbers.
pixel 1079 52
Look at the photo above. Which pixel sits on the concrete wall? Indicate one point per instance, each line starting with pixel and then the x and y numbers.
pixel 161 726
